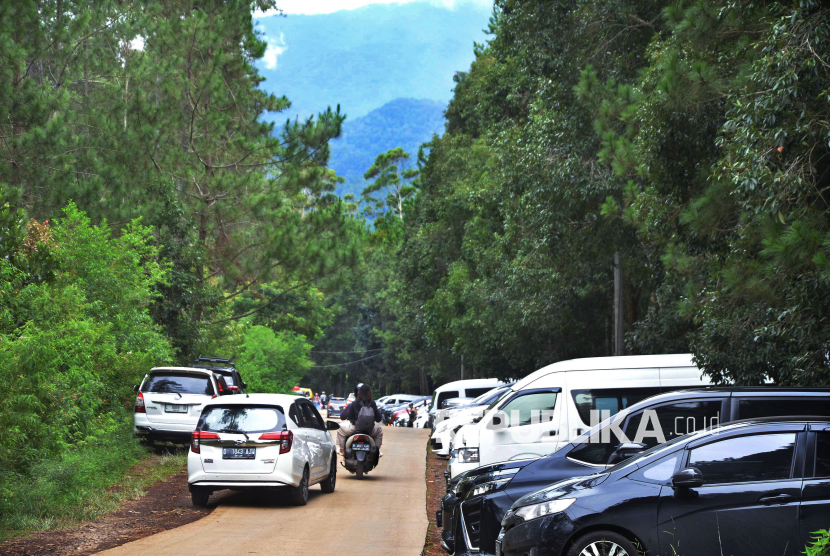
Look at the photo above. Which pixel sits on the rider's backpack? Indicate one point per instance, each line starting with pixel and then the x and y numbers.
pixel 365 421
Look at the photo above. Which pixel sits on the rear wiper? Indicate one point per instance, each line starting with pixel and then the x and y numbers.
pixel 234 431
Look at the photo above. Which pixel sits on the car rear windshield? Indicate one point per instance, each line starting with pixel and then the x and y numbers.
pixel 227 376
pixel 178 383
pixel 243 418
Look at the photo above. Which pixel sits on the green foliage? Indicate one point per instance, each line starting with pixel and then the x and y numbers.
pixel 71 349
pixel 393 174
pixel 274 362
pixel 301 309
pixel 820 545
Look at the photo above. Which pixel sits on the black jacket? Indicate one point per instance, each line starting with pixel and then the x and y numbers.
pixel 353 409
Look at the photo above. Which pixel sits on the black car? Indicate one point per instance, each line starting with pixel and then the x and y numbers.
pixel 476 520
pixel 465 484
pixel 751 487
pixel 224 368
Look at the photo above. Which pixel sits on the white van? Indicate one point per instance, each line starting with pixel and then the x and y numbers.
pixel 471 388
pixel 552 406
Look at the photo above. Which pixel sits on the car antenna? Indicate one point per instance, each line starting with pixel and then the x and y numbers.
pixel 247 395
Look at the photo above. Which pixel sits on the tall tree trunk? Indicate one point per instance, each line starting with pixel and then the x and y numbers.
pixel 619 315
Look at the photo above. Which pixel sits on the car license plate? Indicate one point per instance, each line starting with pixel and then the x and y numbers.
pixel 238 453
pixel 174 408
pixel 361 447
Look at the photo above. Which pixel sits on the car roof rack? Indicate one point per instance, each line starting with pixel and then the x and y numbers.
pixel 215 361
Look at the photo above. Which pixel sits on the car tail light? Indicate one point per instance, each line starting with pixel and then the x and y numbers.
pixel 233 389
pixel 139 403
pixel 286 439
pixel 199 435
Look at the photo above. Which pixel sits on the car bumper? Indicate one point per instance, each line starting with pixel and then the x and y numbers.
pixel 448 505
pixel 440 443
pixel 162 431
pixel 283 474
pixel 480 528
pixel 548 535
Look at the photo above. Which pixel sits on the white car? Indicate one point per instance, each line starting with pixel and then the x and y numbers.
pixel 169 401
pixel 261 441
pixel 444 430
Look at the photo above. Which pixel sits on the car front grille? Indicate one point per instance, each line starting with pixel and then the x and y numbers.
pixel 471 514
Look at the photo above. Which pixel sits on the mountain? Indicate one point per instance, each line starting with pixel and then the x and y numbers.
pixel 403 122
pixel 367 57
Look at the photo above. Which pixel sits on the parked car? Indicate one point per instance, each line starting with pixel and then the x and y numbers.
pixel 747 488
pixel 225 368
pixel 262 442
pixel 391 414
pixel 396 400
pixel 562 397
pixel 475 505
pixel 471 388
pixel 335 406
pixel 169 401
pixel 460 416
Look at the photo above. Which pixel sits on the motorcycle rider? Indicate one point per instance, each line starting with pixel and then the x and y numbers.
pixel 363 399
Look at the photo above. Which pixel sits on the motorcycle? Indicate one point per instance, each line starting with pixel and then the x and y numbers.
pixel 361 454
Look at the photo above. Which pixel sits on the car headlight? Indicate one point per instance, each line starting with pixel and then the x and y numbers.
pixel 467 455
pixel 540 510
pixel 491 486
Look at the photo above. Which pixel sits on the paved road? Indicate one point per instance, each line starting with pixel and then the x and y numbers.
pixel 386 509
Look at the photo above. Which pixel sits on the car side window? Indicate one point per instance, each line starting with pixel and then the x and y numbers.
pixel 312 418
pixel 524 410
pixel 296 416
pixel 822 455
pixel 674 420
pixel 658 472
pixel 759 457
pixel 752 408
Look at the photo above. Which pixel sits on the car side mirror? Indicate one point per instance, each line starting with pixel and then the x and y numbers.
pixel 332 425
pixel 691 477
pixel 625 451
pixel 244 385
pixel 135 388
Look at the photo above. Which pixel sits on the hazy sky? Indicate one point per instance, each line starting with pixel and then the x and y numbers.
pixel 310 7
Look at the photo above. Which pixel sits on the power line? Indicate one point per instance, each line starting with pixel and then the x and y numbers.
pixel 349 363
pixel 361 351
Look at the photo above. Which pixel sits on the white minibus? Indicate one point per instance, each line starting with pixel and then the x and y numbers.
pixel 552 406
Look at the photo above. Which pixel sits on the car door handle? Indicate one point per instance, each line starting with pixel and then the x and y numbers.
pixel 777 499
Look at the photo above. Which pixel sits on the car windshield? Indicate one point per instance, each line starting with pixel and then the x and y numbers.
pixel 490 396
pixel 242 418
pixel 178 383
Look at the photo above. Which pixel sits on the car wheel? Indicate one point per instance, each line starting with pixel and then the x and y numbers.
pixel 328 484
pixel 299 493
pixel 603 543
pixel 199 496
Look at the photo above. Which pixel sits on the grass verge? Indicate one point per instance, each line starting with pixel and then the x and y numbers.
pixel 84 484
